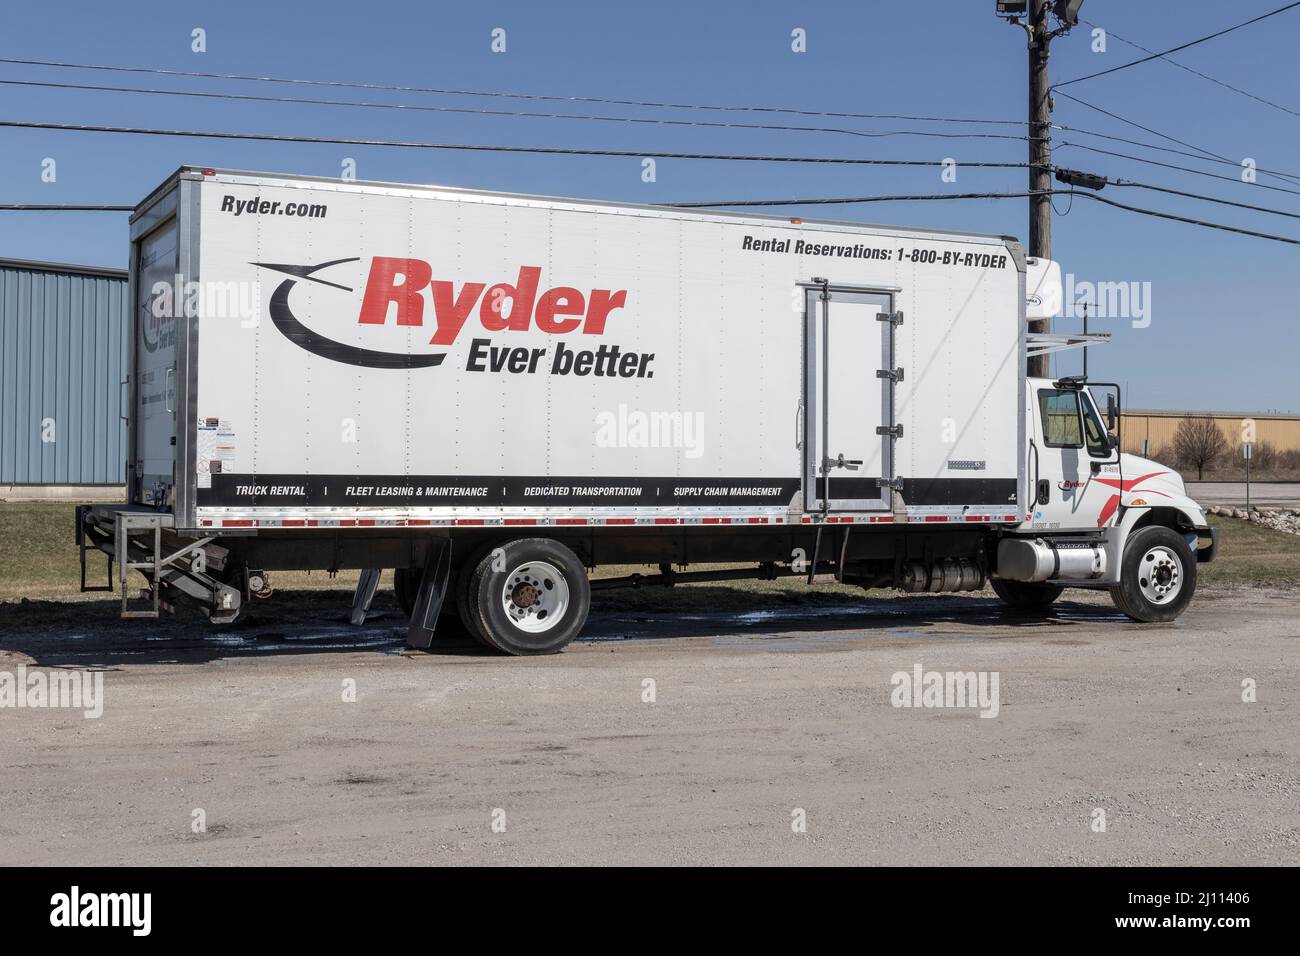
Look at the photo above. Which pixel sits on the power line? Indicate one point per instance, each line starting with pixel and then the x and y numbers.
pixel 1195 72
pixel 62 207
pixel 925 197
pixel 1207 157
pixel 1213 199
pixel 1182 46
pixel 562 116
pixel 1145 129
pixel 673 155
pixel 482 147
pixel 1087 195
pixel 48 207
pixel 422 107
pixel 566 116
pixel 509 95
pixel 1183 169
pixel 1194 222
pixel 67 207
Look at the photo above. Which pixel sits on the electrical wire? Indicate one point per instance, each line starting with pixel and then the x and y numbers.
pixel 924 197
pixel 61 207
pixel 1145 129
pixel 1183 169
pixel 519 96
pixel 1049 192
pixel 483 147
pixel 1186 219
pixel 562 116
pixel 1181 46
pixel 1197 196
pixel 421 107
pixel 1209 157
pixel 45 207
pixel 1195 72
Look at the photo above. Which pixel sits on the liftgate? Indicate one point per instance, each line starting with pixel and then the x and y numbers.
pixel 847 421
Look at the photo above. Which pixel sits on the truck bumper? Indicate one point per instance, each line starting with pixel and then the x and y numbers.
pixel 1207 544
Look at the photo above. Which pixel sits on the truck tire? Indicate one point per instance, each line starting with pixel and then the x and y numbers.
pixel 464 599
pixel 1157 576
pixel 531 598
pixel 1026 595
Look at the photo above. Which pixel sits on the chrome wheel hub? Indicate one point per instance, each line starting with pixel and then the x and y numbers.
pixel 535 596
pixel 1160 575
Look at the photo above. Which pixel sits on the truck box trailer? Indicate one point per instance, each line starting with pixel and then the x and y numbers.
pixel 493 393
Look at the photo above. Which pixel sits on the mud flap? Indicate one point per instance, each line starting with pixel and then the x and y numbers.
pixel 429 597
pixel 367 585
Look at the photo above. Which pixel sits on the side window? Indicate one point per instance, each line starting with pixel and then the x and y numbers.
pixel 1098 437
pixel 1062 426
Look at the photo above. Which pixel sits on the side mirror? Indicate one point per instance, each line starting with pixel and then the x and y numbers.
pixel 1112 412
pixel 1113 441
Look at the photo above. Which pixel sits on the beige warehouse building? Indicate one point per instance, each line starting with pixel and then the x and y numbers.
pixel 1157 428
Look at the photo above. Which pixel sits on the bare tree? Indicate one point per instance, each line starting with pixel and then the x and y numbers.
pixel 1264 457
pixel 1199 442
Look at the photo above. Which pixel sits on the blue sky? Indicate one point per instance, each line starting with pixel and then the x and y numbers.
pixel 1223 307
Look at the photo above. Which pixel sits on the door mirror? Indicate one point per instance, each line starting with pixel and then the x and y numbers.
pixel 1112 412
pixel 1113 440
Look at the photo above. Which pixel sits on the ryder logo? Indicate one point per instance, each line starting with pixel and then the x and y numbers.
pixel 402 293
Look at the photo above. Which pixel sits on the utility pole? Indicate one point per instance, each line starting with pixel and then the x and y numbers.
pixel 1040 34
pixel 1040 157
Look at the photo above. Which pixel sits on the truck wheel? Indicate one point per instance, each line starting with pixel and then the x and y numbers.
pixel 1027 595
pixel 531 598
pixel 1158 575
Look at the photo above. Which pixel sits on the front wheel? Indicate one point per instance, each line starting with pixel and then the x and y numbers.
pixel 529 596
pixel 1157 576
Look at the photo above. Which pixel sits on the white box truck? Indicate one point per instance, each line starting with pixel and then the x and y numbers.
pixel 494 393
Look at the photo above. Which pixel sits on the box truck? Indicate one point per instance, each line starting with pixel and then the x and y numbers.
pixel 493 394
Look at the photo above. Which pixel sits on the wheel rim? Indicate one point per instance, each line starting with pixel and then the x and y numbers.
pixel 535 597
pixel 1160 575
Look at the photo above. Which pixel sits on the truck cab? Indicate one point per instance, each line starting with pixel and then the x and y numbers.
pixel 1097 516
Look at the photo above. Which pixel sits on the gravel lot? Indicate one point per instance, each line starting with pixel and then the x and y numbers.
pixel 756 716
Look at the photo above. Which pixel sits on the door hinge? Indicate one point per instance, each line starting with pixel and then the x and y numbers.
pixel 894 483
pixel 893 431
pixel 895 375
pixel 893 318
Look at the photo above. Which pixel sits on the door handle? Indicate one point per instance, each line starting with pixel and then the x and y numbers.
pixel 841 462
pixel 1044 491
pixel 169 382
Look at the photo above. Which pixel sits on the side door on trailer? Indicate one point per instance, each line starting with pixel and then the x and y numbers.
pixel 154 372
pixel 847 419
